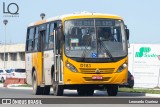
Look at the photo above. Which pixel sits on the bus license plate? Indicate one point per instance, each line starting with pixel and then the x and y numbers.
pixel 97 77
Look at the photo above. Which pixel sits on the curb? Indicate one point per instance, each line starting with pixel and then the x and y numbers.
pixel 20 88
pixel 14 86
pixel 1 85
pixel 9 81
pixel 152 95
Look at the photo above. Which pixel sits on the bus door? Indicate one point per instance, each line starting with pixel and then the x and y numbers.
pixel 57 56
pixel 42 35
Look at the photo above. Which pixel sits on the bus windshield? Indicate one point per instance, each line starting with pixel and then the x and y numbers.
pixel 95 38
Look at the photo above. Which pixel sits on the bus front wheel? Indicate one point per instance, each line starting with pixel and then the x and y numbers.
pixel 112 89
pixel 85 91
pixel 57 89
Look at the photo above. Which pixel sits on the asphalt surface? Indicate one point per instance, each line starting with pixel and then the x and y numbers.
pixel 27 93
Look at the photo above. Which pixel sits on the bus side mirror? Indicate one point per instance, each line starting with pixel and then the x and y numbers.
pixel 127 33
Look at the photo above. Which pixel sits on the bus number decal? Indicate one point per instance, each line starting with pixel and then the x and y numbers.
pixel 85 65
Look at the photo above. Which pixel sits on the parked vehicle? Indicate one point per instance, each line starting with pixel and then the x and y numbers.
pixel 9 74
pixel 130 81
pixel 2 76
pixel 16 73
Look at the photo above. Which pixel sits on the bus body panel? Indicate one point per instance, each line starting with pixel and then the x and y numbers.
pixel 37 64
pixel 48 62
pixel 112 77
pixel 29 67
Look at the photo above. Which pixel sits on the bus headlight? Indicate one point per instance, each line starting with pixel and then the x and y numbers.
pixel 122 67
pixel 71 67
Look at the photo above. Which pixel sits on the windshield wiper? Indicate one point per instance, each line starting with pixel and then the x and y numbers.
pixel 106 49
pixel 85 50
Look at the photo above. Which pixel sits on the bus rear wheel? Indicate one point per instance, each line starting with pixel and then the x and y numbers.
pixel 37 90
pixel 112 89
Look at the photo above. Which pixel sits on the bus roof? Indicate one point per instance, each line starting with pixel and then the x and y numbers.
pixel 74 16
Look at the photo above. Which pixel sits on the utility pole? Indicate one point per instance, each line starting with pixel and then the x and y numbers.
pixel 5 23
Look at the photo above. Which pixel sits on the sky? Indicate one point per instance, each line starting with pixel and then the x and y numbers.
pixel 142 17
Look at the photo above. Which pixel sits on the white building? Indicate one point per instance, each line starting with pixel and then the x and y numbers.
pixel 14 56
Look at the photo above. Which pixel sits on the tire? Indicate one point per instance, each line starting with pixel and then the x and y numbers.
pixel 81 92
pixel 46 90
pixel 90 92
pixel 85 91
pixel 37 90
pixel 112 90
pixel 57 89
pixel 131 84
pixel 2 80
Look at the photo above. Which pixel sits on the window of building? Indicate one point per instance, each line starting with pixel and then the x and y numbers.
pixel 1 56
pixel 13 56
pixel 6 56
pixel 22 56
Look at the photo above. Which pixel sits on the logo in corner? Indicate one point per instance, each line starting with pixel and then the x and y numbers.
pixel 10 10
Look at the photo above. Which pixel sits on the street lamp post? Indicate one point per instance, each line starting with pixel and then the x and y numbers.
pixel 42 15
pixel 5 23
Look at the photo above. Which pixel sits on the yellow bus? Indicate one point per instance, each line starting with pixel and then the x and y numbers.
pixel 83 51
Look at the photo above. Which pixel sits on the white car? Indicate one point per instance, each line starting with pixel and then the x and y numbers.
pixel 3 74
pixel 16 73
pixel 9 74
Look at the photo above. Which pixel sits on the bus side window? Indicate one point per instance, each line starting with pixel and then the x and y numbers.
pixel 36 39
pixel 50 43
pixel 27 42
pixel 30 39
pixel 47 37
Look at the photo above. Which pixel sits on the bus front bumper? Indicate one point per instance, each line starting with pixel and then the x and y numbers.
pixel 71 78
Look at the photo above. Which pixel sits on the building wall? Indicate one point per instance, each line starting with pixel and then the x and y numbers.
pixel 14 56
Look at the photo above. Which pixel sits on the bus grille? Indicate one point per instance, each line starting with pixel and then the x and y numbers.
pixel 93 70
pixel 90 79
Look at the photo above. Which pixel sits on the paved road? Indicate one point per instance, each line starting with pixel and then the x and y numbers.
pixel 19 93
